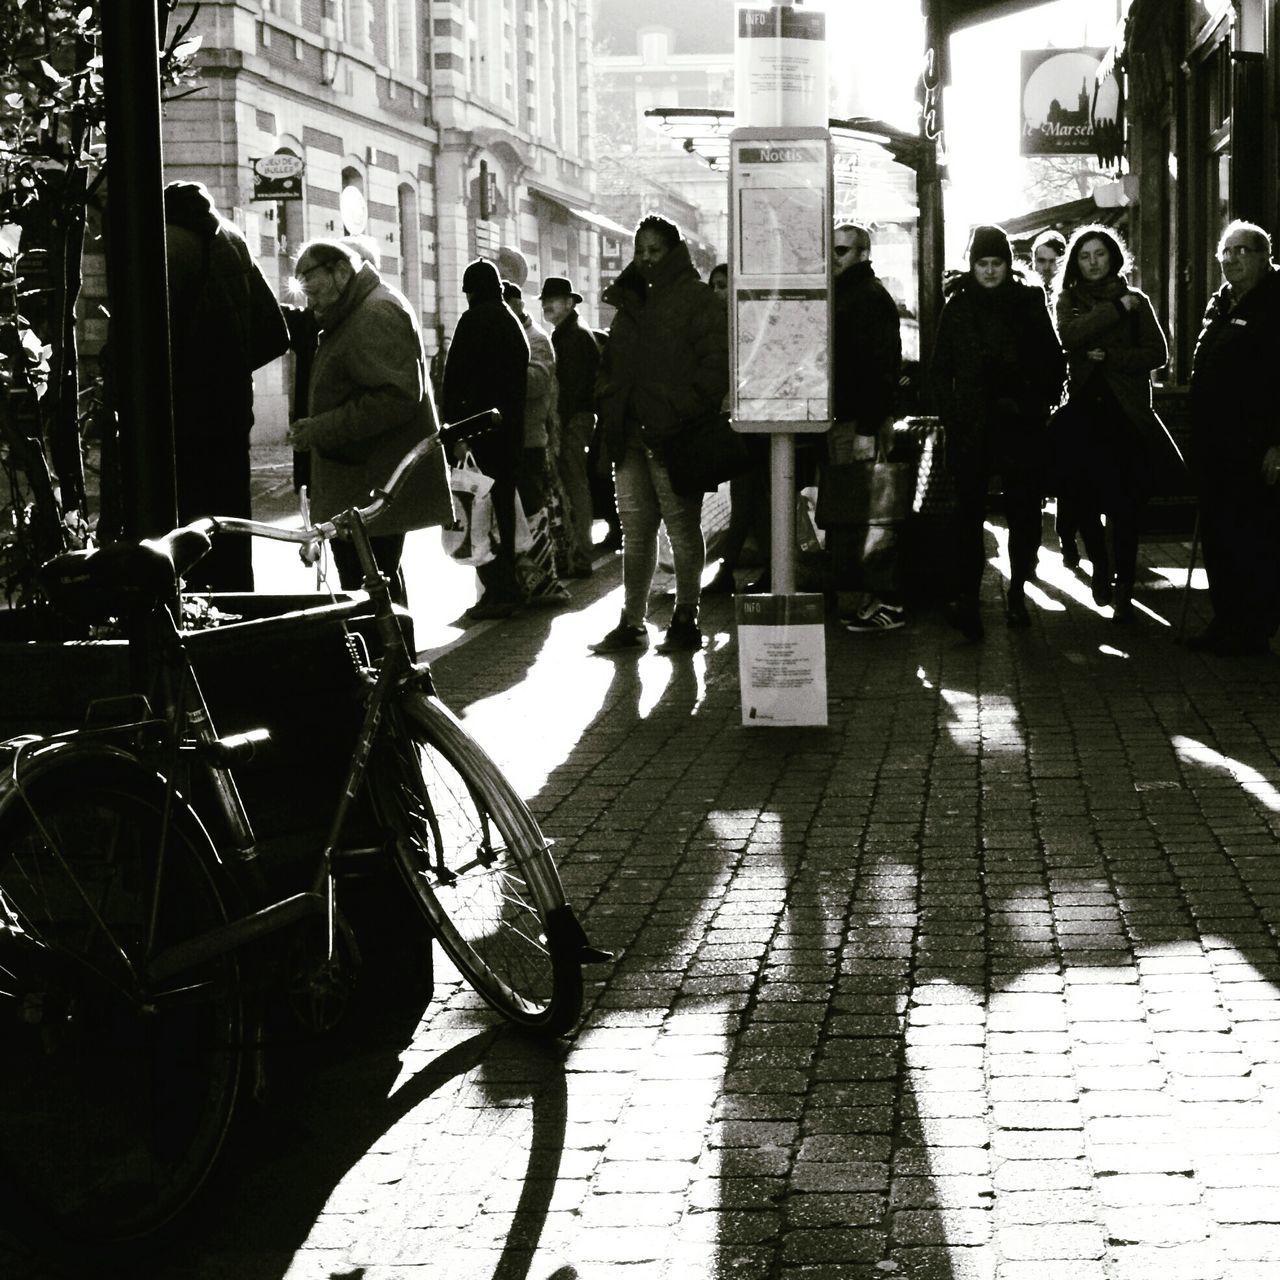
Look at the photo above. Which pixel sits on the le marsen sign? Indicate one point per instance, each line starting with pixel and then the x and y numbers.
pixel 1064 109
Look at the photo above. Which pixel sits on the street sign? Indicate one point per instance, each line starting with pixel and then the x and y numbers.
pixel 780 183
pixel 278 177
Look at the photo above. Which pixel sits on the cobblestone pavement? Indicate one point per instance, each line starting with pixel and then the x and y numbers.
pixel 981 981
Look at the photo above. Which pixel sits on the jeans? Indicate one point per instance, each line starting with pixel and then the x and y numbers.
pixel 646 499
pixel 575 440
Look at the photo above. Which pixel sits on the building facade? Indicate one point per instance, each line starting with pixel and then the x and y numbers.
pixel 442 130
pixel 1203 145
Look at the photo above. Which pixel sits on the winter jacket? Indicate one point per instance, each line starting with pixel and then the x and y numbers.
pixel 369 402
pixel 1091 317
pixel 541 390
pixel 615 376
pixel 677 367
pixel 487 368
pixel 224 322
pixel 867 349
pixel 1235 380
pixel 577 362
pixel 997 369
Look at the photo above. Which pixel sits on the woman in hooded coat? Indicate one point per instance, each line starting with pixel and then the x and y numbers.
pixel 667 367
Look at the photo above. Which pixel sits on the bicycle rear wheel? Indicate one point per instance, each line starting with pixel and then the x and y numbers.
pixel 114 1097
pixel 478 866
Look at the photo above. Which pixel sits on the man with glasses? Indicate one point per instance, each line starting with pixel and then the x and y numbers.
pixel 1235 446
pixel 368 403
pixel 867 354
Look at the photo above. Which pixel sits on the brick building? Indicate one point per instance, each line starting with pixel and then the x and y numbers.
pixel 442 129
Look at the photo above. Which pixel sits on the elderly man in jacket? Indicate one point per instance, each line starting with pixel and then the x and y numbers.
pixel 368 403
pixel 1235 445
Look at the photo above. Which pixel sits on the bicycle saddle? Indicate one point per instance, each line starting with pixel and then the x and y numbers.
pixel 123 578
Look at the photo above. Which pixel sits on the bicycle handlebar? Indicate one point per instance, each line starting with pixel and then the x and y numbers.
pixel 449 434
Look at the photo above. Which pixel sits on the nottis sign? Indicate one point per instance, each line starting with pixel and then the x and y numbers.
pixel 1065 111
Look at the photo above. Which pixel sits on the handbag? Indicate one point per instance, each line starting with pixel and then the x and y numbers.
pixel 703 454
pixel 935 489
pixel 871 492
pixel 474 531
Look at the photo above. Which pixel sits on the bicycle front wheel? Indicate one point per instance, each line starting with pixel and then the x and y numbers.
pixel 115 1095
pixel 478 866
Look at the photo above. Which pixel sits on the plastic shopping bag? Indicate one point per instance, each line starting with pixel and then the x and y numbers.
pixel 474 531
pixel 535 559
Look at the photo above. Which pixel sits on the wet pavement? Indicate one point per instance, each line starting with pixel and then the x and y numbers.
pixel 980 981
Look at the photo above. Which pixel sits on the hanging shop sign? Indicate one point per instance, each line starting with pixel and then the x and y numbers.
pixel 1065 109
pixel 278 177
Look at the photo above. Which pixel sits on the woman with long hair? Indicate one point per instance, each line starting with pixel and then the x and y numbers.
pixel 1115 451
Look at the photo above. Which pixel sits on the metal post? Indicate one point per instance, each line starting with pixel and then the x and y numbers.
pixel 136 270
pixel 782 474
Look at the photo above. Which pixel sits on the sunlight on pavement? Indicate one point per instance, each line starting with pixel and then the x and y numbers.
pixel 990 720
pixel 542 706
pixel 1110 651
pixel 1249 778
pixel 1050 573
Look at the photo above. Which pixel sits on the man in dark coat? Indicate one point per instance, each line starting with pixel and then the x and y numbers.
pixel 224 322
pixel 577 360
pixel 487 368
pixel 1235 445
pixel 867 348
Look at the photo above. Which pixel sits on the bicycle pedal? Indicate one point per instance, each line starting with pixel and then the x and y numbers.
pixel 594 955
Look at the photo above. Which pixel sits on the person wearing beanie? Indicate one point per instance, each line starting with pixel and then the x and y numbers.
pixel 487 367
pixel 997 371
pixel 224 322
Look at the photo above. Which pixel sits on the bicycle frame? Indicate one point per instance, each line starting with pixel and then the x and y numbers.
pixel 184 725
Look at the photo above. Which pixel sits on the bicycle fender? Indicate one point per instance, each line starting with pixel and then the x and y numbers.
pixel 26 760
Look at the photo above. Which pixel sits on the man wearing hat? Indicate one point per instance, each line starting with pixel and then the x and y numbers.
pixel 577 358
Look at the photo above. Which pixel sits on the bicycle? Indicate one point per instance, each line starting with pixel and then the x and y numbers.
pixel 131 939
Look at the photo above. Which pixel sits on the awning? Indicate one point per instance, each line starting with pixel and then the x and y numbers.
pixel 704 132
pixel 1062 217
pixel 615 230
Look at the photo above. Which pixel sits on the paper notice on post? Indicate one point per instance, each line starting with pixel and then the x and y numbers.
pixel 782 660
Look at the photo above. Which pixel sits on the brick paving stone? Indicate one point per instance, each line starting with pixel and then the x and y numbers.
pixel 1058 1240
pixel 1147 1262
pixel 1041 1175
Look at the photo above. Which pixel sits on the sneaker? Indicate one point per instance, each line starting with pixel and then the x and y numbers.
pixel 683 635
pixel 875 616
pixel 624 638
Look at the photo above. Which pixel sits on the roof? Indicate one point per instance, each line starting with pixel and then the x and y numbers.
pixel 1064 217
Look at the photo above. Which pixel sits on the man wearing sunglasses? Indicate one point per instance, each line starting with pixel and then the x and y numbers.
pixel 867 354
